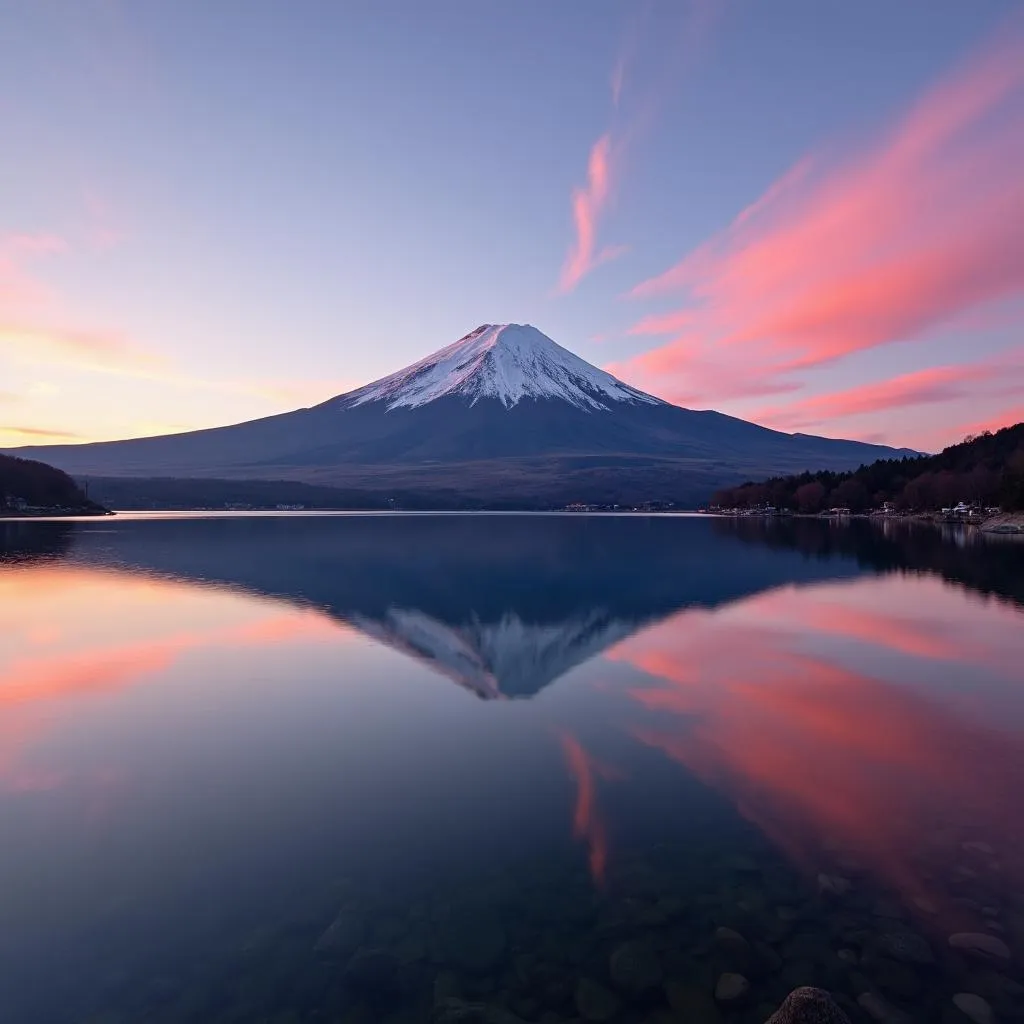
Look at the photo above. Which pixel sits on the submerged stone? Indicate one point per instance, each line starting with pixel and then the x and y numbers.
pixel 733 950
pixel 980 944
pixel 974 1007
pixel 731 987
pixel 808 1005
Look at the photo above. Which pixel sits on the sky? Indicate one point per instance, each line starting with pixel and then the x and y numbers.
pixel 806 214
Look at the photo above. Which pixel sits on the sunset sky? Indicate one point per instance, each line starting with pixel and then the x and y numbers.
pixel 807 214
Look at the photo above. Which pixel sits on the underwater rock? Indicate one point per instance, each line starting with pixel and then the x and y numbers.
pixel 594 1001
pixel 731 987
pixel 974 1007
pixel 980 944
pixel 634 967
pixel 733 950
pixel 808 1005
pixel 343 936
pixel 907 946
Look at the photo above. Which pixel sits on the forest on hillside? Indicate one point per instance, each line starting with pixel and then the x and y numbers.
pixel 986 470
pixel 26 484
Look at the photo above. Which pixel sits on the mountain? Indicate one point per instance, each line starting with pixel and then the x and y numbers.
pixel 504 416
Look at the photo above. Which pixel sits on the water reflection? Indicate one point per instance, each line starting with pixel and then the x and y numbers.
pixel 502 605
pixel 836 720
pixel 215 730
pixel 74 635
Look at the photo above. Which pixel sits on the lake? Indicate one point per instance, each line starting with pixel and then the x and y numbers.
pixel 357 768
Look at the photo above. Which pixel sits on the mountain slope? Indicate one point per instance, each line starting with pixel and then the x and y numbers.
pixel 502 402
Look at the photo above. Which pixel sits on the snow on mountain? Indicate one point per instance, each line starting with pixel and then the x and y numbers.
pixel 497 660
pixel 508 362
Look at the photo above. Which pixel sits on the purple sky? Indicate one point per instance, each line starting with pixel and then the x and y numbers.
pixel 807 214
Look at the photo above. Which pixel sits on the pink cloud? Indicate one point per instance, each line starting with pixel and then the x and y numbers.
pixel 685 373
pixel 923 227
pixel 588 204
pixel 921 387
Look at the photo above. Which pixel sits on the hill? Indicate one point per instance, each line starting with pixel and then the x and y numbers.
pixel 986 470
pixel 504 417
pixel 27 486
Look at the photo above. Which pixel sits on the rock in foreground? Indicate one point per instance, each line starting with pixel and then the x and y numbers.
pixel 808 1006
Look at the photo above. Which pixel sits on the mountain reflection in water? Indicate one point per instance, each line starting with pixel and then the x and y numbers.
pixel 233 712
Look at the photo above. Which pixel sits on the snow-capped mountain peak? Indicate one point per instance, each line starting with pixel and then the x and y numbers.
pixel 508 362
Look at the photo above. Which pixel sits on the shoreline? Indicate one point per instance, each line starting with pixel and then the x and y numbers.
pixel 1003 523
pixel 59 513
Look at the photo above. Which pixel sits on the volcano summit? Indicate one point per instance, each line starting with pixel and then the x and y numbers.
pixel 503 417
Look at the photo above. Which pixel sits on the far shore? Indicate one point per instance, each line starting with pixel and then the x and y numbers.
pixel 53 513
pixel 1005 522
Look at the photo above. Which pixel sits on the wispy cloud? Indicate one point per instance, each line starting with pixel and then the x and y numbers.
pixel 834 258
pixel 588 203
pixel 922 387
pixel 38 434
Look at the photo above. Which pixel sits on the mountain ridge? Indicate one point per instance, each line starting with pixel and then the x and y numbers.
pixel 496 415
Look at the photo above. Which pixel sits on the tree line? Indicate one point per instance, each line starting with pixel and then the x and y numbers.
pixel 24 482
pixel 987 470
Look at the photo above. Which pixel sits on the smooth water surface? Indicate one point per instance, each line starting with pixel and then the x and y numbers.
pixel 378 768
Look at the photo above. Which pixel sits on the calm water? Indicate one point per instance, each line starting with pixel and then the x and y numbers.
pixel 347 769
